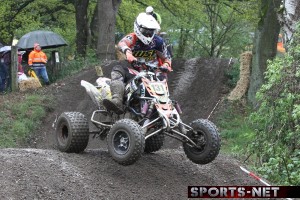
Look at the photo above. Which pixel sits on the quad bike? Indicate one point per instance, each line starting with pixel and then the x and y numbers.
pixel 149 116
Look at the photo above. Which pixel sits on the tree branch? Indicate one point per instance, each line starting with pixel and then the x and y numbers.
pixel 19 9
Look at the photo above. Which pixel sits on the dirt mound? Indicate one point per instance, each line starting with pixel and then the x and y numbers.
pixel 198 85
pixel 45 173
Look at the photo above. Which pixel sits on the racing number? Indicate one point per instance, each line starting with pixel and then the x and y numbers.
pixel 158 88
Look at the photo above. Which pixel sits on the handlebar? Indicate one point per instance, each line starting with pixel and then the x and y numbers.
pixel 143 65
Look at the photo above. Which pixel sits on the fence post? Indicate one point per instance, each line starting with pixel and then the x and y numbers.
pixel 14 68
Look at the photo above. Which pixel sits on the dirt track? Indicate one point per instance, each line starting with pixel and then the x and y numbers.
pixel 39 171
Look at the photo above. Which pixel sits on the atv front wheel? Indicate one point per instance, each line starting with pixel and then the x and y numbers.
pixel 207 139
pixel 126 141
pixel 72 132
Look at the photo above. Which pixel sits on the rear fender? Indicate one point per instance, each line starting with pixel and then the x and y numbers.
pixel 97 94
pixel 92 91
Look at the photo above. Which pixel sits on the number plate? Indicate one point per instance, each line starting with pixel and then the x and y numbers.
pixel 158 88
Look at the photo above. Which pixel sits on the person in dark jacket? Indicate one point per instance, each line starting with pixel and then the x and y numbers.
pixel 4 71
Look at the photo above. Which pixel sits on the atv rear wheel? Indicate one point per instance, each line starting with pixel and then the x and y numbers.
pixel 126 141
pixel 207 138
pixel 72 132
pixel 154 143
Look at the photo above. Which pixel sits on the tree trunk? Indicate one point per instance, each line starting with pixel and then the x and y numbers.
pixel 288 17
pixel 94 28
pixel 107 10
pixel 182 43
pixel 81 26
pixel 265 44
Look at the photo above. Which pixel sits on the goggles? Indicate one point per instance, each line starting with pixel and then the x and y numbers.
pixel 147 32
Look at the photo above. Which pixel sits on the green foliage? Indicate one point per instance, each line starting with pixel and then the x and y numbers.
pixel 233 74
pixel 74 66
pixel 218 30
pixel 19 120
pixel 223 31
pixel 199 32
pixel 21 17
pixel 234 128
pixel 276 122
pixel 128 11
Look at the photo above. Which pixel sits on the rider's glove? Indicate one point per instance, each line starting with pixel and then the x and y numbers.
pixel 130 57
pixel 165 68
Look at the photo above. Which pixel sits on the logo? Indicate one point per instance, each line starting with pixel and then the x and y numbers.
pixel 144 54
pixel 243 191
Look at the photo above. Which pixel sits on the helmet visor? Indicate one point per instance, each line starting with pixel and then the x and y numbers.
pixel 147 32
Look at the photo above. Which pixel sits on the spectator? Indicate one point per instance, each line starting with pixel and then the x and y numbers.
pixel 37 59
pixel 20 67
pixel 150 11
pixel 2 78
pixel 4 71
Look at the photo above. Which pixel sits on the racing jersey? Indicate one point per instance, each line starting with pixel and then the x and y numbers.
pixel 156 51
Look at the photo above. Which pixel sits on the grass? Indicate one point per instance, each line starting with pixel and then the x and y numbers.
pixel 232 121
pixel 20 115
pixel 234 129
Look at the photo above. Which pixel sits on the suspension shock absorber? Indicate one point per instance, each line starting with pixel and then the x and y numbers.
pixel 145 106
pixel 177 107
pixel 143 103
pixel 150 109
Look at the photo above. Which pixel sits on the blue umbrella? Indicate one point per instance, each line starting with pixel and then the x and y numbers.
pixel 46 39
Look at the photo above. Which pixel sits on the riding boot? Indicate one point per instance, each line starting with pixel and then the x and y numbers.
pixel 117 92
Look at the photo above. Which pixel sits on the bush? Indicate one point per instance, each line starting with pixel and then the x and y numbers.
pixel 277 140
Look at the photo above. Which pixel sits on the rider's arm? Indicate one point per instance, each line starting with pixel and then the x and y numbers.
pixel 126 44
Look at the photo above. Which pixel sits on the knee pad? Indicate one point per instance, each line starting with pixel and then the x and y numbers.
pixel 116 75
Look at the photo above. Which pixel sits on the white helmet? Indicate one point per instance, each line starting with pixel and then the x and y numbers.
pixel 145 27
pixel 149 10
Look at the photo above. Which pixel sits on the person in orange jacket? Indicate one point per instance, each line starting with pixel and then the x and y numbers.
pixel 37 60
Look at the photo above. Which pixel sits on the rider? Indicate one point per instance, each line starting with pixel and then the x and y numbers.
pixel 150 11
pixel 141 45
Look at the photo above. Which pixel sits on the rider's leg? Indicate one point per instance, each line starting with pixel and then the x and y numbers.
pixel 117 91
